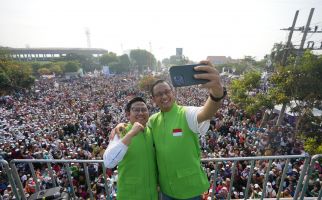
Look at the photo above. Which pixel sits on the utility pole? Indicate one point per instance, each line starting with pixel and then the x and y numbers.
pixel 299 53
pixel 288 44
pixel 306 29
pixel 284 58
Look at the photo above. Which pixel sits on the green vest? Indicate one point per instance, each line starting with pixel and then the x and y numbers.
pixel 137 171
pixel 178 155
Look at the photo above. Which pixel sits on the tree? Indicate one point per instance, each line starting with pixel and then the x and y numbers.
pixel 86 61
pixel 35 67
pixel 71 66
pixel 281 56
pixel 108 58
pixel 124 61
pixel 122 64
pixel 14 76
pixel 142 59
pixel 301 84
pixel 243 93
pixel 56 68
pixel 44 71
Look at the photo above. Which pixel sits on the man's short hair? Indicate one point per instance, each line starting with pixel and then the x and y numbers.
pixel 156 83
pixel 132 101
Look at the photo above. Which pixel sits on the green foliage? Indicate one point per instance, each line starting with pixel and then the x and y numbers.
pixel 251 80
pixel 4 52
pixel 245 65
pixel 44 71
pixel 302 82
pixel 241 92
pixel 278 52
pixel 124 63
pixel 56 68
pixel 35 67
pixel 86 61
pixel 108 58
pixel 115 67
pixel 71 66
pixel 117 64
pixel 4 80
pixel 142 59
pixel 313 145
pixel 14 75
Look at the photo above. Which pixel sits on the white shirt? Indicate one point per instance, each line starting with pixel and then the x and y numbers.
pixel 117 149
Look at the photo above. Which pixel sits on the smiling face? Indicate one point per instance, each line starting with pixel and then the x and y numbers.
pixel 138 113
pixel 163 96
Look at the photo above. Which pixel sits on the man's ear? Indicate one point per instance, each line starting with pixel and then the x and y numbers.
pixel 127 114
pixel 153 99
pixel 153 102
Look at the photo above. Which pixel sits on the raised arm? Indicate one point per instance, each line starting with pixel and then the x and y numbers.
pixel 215 88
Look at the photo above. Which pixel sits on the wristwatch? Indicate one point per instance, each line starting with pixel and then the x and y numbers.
pixel 217 99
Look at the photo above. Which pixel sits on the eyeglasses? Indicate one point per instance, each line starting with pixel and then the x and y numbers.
pixel 160 94
pixel 139 109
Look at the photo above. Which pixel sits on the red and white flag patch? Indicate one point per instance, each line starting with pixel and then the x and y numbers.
pixel 177 132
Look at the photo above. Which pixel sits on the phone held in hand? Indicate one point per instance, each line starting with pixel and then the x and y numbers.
pixel 182 75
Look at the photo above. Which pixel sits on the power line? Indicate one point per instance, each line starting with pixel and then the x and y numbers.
pixel 304 31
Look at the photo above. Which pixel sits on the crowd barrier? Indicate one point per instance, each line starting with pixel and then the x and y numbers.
pixel 302 183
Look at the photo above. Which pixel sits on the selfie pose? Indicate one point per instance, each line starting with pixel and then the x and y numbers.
pixel 175 133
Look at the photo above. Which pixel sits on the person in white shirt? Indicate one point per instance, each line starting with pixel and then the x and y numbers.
pixel 134 153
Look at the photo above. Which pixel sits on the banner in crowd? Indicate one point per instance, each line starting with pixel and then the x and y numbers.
pixel 106 71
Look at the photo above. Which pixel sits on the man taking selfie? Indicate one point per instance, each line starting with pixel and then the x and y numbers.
pixel 175 133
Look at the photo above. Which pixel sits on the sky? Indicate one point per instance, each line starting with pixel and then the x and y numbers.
pixel 234 28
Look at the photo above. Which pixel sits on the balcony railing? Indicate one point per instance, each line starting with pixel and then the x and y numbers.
pixel 12 172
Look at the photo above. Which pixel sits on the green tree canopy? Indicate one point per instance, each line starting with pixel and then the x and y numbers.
pixel 121 64
pixel 56 68
pixel 142 59
pixel 71 66
pixel 108 58
pixel 44 71
pixel 242 93
pixel 14 76
pixel 86 61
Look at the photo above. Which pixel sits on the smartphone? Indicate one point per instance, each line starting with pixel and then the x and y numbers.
pixel 182 75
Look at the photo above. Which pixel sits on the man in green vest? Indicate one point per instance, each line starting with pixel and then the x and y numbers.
pixel 175 133
pixel 134 154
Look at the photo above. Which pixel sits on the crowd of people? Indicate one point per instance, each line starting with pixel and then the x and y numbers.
pixel 72 119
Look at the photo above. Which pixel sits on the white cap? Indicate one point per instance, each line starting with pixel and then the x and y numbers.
pixel 256 185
